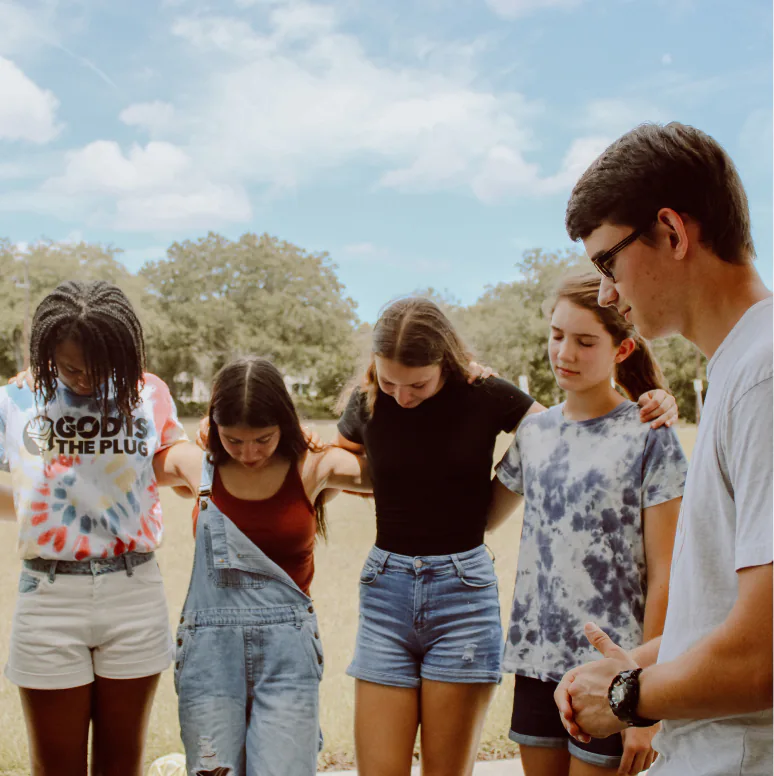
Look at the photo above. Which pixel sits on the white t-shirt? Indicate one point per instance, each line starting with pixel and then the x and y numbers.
pixel 84 485
pixel 582 555
pixel 725 525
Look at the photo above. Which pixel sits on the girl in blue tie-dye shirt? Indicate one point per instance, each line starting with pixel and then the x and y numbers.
pixel 602 494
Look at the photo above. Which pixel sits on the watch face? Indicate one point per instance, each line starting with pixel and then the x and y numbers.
pixel 617 693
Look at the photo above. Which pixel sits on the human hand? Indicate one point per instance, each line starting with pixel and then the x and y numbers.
pixel 478 372
pixel 313 440
pixel 638 754
pixel 659 407
pixel 582 695
pixel 24 377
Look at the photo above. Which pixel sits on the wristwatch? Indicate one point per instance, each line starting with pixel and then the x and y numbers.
pixel 624 695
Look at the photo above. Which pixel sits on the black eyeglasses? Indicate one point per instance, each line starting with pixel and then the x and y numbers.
pixel 603 262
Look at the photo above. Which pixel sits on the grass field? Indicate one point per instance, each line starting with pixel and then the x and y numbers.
pixel 335 592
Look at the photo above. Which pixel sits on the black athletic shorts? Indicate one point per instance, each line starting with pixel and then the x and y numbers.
pixel 536 722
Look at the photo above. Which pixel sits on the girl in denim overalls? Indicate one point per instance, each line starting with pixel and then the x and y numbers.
pixel 249 658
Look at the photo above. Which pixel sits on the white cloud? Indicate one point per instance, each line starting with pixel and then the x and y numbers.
pixel 208 204
pixel 513 9
pixel 27 112
pixel 101 167
pixel 151 188
pixel 666 59
pixel 25 25
pixel 282 107
pixel 507 174
pixel 155 117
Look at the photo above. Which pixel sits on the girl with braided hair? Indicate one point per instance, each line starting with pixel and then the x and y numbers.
pixel 90 632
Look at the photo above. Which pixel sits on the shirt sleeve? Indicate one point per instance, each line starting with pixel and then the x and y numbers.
pixel 509 470
pixel 169 428
pixel 749 458
pixel 509 403
pixel 664 467
pixel 352 423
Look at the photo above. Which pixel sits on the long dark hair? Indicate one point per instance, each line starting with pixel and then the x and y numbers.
pixel 414 332
pixel 638 373
pixel 100 318
pixel 250 392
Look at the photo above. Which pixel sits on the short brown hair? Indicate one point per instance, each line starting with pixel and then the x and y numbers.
pixel 675 166
pixel 637 374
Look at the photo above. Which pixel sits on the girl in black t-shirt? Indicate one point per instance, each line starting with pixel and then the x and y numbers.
pixel 429 640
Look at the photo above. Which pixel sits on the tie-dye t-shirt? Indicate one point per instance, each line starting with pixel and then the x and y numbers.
pixel 84 485
pixel 582 556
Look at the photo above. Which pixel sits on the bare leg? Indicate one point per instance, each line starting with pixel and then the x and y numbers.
pixel 121 711
pixel 452 719
pixel 544 761
pixel 386 720
pixel 579 768
pixel 58 730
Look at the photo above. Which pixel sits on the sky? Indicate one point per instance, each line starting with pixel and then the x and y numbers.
pixel 421 143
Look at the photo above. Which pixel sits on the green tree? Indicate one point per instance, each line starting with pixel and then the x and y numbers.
pixel 215 299
pixel 32 272
pixel 507 328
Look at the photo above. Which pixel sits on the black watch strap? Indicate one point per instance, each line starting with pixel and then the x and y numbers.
pixel 624 696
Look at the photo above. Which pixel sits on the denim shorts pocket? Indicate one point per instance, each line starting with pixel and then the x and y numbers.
pixel 478 574
pixel 369 574
pixel 28 583
pixel 182 645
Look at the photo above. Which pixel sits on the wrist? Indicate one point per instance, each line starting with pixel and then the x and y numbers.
pixel 645 702
pixel 624 699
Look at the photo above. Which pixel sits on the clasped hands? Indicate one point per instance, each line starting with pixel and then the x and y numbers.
pixel 584 708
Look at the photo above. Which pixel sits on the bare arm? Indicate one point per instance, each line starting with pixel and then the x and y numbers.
pixel 179 467
pixel 503 504
pixel 335 468
pixel 659 524
pixel 729 671
pixel 7 511
pixel 345 444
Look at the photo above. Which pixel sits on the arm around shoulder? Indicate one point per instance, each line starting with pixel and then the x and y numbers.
pixel 179 467
pixel 336 468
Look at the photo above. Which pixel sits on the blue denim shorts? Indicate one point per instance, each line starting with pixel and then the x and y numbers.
pixel 434 617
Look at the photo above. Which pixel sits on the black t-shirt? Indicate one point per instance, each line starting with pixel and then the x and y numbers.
pixel 431 465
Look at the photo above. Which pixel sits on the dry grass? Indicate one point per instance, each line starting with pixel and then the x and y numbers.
pixel 335 591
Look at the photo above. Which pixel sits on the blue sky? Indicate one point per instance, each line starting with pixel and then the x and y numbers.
pixel 423 143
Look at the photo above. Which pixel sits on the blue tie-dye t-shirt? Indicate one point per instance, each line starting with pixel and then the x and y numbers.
pixel 582 556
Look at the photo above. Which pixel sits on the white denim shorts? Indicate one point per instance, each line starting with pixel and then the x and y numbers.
pixel 67 628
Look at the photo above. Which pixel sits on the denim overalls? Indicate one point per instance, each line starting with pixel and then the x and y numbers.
pixel 249 659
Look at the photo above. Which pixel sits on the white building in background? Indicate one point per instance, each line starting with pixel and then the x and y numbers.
pixel 300 385
pixel 197 390
pixel 194 389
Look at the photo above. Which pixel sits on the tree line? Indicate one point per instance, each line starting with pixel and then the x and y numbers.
pixel 213 299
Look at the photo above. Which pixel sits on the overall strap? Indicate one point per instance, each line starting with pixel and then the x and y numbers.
pixel 208 473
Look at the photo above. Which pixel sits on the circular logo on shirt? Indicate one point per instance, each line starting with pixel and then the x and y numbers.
pixel 39 435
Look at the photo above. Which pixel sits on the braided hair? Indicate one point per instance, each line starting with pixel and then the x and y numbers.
pixel 99 317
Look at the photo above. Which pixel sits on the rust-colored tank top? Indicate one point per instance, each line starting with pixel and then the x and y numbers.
pixel 282 526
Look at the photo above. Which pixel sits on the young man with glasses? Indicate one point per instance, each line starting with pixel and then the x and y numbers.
pixel 664 217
